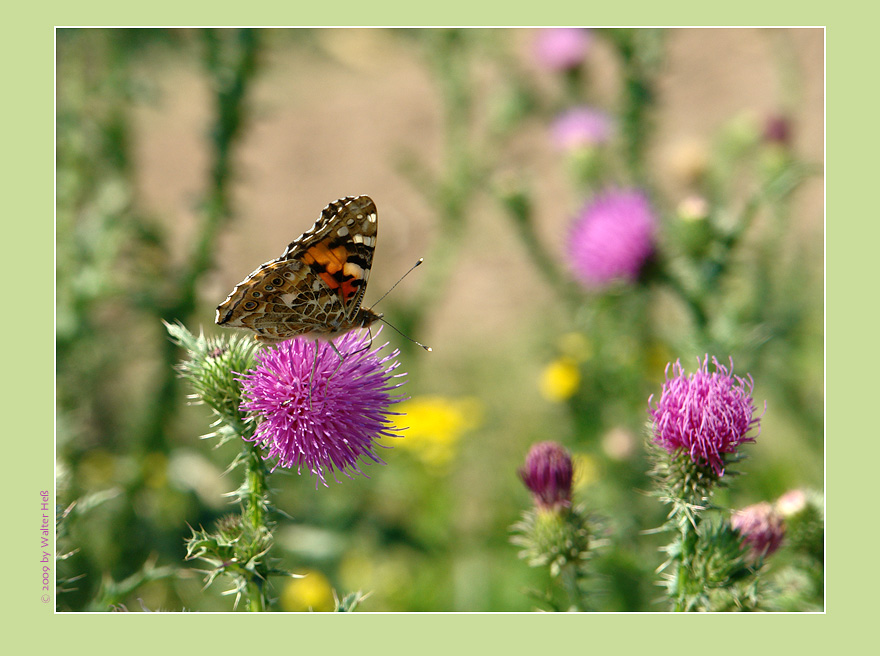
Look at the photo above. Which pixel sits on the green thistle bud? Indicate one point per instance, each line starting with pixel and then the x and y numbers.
pixel 212 368
pixel 553 539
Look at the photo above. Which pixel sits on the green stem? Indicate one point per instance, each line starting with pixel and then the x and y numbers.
pixel 256 596
pixel 519 207
pixel 636 51
pixel 691 299
pixel 571 576
pixel 255 508
pixel 685 576
pixel 255 501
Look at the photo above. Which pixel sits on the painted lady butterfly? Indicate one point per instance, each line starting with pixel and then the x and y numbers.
pixel 317 284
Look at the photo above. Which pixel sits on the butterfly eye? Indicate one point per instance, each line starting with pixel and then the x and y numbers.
pixel 277 281
pixel 250 305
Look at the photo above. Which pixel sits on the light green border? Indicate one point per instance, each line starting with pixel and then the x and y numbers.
pixel 27 50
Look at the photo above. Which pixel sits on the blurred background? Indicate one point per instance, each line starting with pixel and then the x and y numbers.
pixel 187 157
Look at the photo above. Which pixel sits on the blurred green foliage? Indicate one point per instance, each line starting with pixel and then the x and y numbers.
pixel 428 532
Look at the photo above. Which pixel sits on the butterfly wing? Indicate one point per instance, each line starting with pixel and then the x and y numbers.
pixel 339 249
pixel 317 284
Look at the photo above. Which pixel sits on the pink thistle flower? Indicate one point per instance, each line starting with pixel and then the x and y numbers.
pixel 581 127
pixel 612 238
pixel 562 48
pixel 707 415
pixel 548 473
pixel 322 414
pixel 761 528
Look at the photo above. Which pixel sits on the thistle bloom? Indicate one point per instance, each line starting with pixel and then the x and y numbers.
pixel 612 238
pixel 761 528
pixel 562 48
pixel 548 473
pixel 706 415
pixel 319 411
pixel 581 127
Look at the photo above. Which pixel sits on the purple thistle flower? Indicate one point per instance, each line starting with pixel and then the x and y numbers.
pixel 326 420
pixel 581 127
pixel 612 238
pixel 704 414
pixel 547 473
pixel 562 48
pixel 761 528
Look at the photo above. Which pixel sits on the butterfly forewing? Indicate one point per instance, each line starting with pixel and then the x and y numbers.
pixel 317 284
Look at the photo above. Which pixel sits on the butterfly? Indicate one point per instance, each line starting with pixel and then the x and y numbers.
pixel 317 285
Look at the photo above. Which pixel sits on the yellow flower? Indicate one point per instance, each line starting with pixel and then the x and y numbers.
pixel 434 425
pixel 311 592
pixel 560 379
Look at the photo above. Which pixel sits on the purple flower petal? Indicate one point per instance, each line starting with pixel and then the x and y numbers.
pixel 612 238
pixel 548 473
pixel 319 411
pixel 562 48
pixel 581 127
pixel 761 527
pixel 704 414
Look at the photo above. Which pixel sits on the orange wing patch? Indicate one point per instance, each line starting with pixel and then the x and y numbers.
pixel 328 262
pixel 330 259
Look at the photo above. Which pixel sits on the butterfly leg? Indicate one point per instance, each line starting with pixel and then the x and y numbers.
pixel 314 369
pixel 341 358
pixel 366 347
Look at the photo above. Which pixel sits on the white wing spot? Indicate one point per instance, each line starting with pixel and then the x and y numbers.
pixel 372 217
pixel 342 231
pixel 353 270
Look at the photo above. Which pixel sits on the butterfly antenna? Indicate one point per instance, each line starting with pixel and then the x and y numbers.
pixel 421 259
pixel 427 348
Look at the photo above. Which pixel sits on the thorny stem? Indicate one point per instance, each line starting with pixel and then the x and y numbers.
pixel 571 582
pixel 683 577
